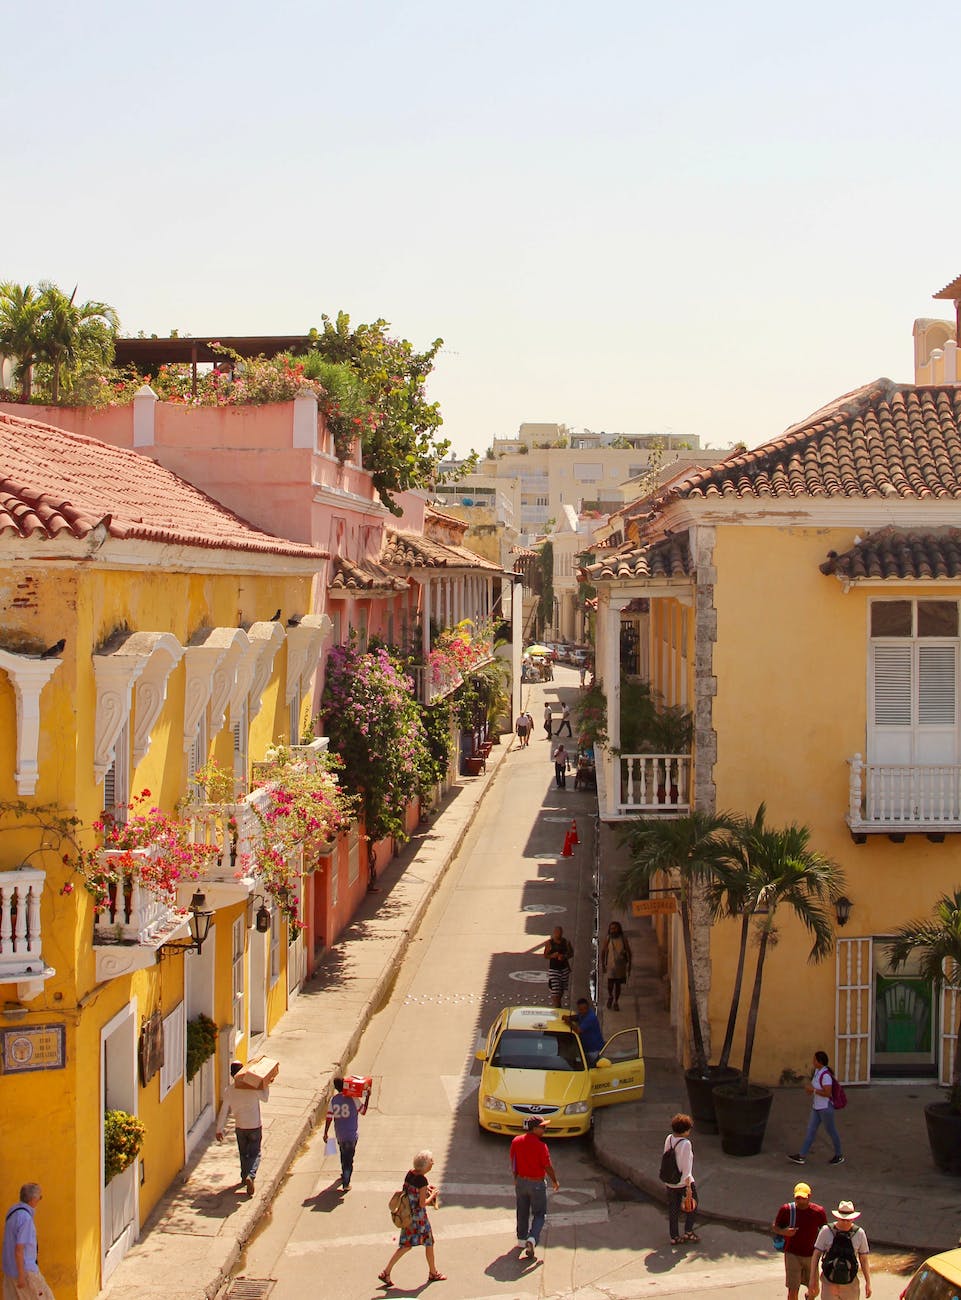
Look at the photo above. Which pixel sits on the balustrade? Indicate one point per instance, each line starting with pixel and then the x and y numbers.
pixel 903 797
pixel 655 783
pixel 20 936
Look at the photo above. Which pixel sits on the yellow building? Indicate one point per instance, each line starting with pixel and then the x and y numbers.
pixel 143 630
pixel 803 602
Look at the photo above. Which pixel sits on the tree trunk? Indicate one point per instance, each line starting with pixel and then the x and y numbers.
pixel 736 991
pixel 700 1055
pixel 55 381
pixel 751 1029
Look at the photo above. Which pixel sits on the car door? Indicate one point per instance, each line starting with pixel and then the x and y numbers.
pixel 619 1073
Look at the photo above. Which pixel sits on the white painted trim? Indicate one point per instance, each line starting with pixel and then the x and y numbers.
pixel 114 675
pixel 134 554
pixel 201 658
pixel 151 688
pixel 268 638
pixel 811 512
pixel 235 643
pixel 129 1012
pixel 304 644
pixel 28 675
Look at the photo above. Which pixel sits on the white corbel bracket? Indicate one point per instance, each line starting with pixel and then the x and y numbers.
pixel 235 643
pixel 304 643
pixel 202 656
pixel 268 638
pixel 116 671
pixel 28 676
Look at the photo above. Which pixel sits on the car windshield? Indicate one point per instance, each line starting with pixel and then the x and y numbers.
pixel 927 1284
pixel 527 1049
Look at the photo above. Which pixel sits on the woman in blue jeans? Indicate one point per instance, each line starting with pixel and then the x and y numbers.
pixel 820 1089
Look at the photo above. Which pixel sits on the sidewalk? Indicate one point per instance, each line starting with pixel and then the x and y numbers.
pixel 197 1232
pixel 888 1171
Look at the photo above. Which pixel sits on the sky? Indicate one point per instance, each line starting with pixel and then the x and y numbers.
pixel 701 219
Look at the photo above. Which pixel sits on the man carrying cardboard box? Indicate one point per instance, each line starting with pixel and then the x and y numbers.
pixel 244 1103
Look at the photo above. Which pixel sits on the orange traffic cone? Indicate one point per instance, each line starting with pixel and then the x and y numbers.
pixel 574 839
pixel 568 849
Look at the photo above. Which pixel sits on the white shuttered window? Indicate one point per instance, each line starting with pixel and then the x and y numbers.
pixel 174 1049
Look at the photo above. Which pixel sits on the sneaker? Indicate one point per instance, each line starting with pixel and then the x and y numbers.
pixel 529 1248
pixel 798 1159
pixel 836 1160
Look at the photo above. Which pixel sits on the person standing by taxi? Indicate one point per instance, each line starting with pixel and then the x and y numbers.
pixel 531 1164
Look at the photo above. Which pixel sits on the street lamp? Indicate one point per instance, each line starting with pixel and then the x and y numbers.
pixel 842 909
pixel 261 919
pixel 200 918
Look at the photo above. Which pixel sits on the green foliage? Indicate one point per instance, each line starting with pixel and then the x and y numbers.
pixel 201 1043
pixel 590 715
pixel 436 720
pixel 123 1139
pixel 65 341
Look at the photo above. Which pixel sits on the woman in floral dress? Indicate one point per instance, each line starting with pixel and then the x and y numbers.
pixel 420 1194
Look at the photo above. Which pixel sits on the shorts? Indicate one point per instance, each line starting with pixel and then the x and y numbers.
pixel 797 1270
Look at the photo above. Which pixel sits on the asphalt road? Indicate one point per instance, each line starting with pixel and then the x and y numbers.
pixel 477 951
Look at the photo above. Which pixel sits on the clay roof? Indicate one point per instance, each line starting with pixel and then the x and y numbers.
pixel 54 482
pixel 882 441
pixel 364 577
pixel 411 551
pixel 668 558
pixel 890 553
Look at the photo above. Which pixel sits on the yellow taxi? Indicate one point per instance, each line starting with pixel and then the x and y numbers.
pixel 533 1064
pixel 938 1278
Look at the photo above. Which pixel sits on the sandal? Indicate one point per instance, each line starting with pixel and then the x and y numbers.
pixel 436 1277
pixel 676 1241
pixel 691 1236
pixel 385 1278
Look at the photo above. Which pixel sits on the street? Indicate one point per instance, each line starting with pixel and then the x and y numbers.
pixel 477 951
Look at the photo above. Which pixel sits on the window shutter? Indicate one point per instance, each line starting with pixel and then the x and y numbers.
pixel 174 1048
pixel 892 685
pixel 937 685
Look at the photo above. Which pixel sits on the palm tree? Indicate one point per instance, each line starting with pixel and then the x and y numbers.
pixel 694 847
pixel 69 330
pixel 784 869
pixel 21 309
pixel 937 944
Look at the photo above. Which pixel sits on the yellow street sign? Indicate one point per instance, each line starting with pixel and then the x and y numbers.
pixel 664 906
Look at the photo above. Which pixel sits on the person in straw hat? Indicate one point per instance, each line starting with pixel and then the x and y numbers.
pixel 841 1250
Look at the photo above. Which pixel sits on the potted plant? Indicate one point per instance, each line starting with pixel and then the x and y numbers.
pixel 936 942
pixel 123 1138
pixel 692 849
pixel 201 1044
pixel 781 868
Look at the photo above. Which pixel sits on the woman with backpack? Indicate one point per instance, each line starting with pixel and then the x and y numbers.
pixel 841 1249
pixel 826 1096
pixel 416 1230
pixel 677 1175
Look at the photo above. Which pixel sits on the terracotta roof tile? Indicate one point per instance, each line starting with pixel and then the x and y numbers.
pixel 668 558
pixel 363 577
pixel 54 482
pixel 412 551
pixel 882 441
pixel 891 553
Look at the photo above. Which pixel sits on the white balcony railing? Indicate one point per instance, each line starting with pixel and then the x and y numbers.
pixel 234 828
pixel 435 681
pixel 654 783
pixel 900 798
pixel 20 937
pixel 133 913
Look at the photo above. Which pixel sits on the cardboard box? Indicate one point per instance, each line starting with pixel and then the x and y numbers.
pixel 355 1085
pixel 258 1073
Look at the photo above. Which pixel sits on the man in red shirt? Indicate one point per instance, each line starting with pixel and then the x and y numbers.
pixel 809 1219
pixel 531 1163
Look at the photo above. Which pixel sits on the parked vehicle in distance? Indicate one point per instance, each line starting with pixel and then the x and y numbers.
pixel 534 1065
pixel 938 1278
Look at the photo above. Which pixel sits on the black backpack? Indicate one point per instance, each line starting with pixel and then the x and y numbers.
pixel 669 1171
pixel 840 1262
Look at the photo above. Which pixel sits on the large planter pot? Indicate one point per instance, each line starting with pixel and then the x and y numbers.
pixel 700 1093
pixel 742 1117
pixel 944 1136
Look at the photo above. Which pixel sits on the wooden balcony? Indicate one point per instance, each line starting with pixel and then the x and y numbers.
pixel 896 800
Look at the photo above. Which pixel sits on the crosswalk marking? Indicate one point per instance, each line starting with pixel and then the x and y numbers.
pixel 570 1194
pixel 445 1231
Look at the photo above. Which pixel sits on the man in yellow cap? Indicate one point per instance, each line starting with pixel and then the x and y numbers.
pixel 798 1222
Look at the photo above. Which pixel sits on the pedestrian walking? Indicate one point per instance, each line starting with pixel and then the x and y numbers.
pixel 548 722
pixel 582 673
pixel 420 1194
pixel 531 1164
pixel 820 1090
pixel 22 1279
pixel 530 727
pixel 521 730
pixel 841 1249
pixel 344 1111
pixel 678 1179
pixel 616 960
pixel 586 1025
pixel 798 1223
pixel 244 1105
pixel 561 760
pixel 565 721
pixel 558 952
